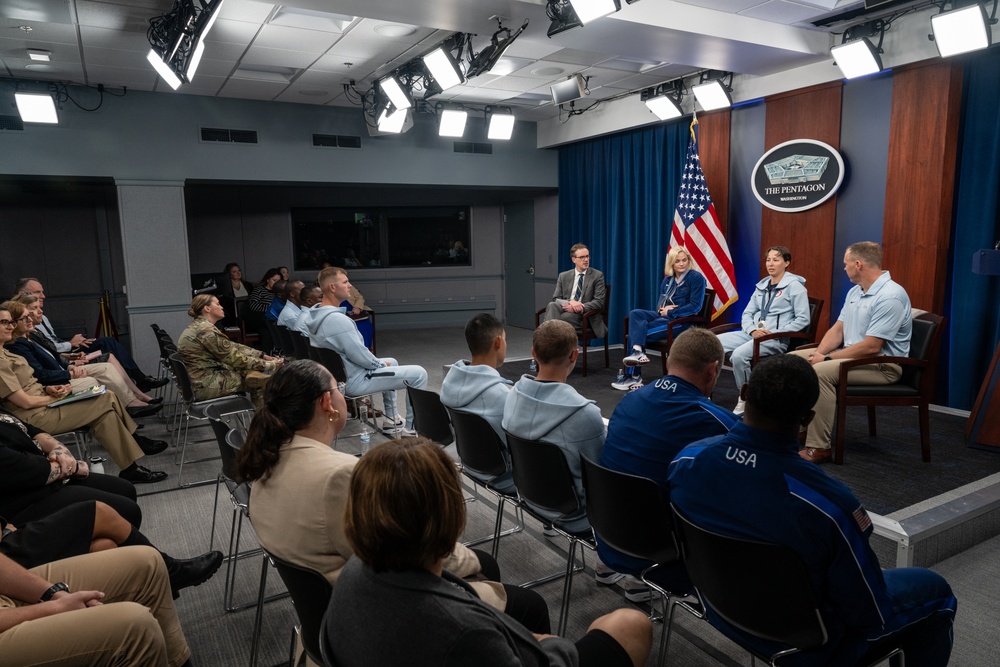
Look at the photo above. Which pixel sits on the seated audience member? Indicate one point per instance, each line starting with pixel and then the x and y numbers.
pixel 39 476
pixel 309 296
pixel 329 327
pixel 355 308
pixel 293 304
pixel 397 602
pixel 476 386
pixel 92 526
pixel 258 303
pixel 300 487
pixel 233 291
pixel 105 608
pixel 277 301
pixel 217 365
pixel 752 484
pixel 29 401
pixel 681 294
pixel 545 408
pixel 49 369
pixel 779 303
pixel 103 344
pixel 651 425
pixel 875 321
pixel 283 270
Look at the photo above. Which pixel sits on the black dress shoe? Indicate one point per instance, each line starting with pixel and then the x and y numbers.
pixel 137 411
pixel 186 572
pixel 148 445
pixel 155 401
pixel 138 474
pixel 148 383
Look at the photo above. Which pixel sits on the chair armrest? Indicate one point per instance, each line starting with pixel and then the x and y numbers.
pixel 808 346
pixel 774 336
pixel 538 315
pixel 726 328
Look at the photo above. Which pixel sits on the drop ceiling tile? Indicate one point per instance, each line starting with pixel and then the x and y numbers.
pixel 203 85
pixel 245 10
pixel 212 67
pixel 253 90
pixel 780 11
pixel 339 62
pixel 512 83
pixel 257 55
pixel 106 38
pixel 117 58
pixel 224 51
pixel 577 57
pixel 15 50
pixel 232 32
pixel 548 69
pixel 283 37
pixel 534 50
pixel 41 33
pixel 307 94
pixel 116 16
pixel 142 79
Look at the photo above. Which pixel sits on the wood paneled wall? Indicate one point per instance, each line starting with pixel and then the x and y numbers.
pixel 810 113
pixel 713 149
pixel 920 178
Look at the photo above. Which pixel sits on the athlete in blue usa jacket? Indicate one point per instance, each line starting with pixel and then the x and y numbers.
pixel 751 483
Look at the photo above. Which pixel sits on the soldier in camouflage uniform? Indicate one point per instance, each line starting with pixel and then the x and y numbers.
pixel 217 365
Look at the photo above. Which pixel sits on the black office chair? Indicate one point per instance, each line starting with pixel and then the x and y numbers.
pixel 769 595
pixel 430 419
pixel 300 344
pixel 544 482
pixel 310 596
pixel 287 342
pixel 482 455
pixel 331 360
pixel 630 514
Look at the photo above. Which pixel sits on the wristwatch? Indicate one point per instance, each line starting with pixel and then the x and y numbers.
pixel 53 589
pixel 828 358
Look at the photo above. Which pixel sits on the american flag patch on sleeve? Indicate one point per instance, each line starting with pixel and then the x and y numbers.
pixel 862 519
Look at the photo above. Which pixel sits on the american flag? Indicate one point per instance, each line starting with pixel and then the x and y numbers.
pixel 696 228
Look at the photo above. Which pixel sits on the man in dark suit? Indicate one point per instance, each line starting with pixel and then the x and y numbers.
pixel 578 290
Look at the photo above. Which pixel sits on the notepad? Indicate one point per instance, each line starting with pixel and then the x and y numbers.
pixel 93 392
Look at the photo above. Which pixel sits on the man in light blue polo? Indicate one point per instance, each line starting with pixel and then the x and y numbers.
pixel 875 321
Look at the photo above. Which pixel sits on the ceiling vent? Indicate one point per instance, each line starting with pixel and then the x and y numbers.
pixel 222 135
pixel 336 141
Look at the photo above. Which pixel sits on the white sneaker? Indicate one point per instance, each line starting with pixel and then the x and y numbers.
pixel 392 424
pixel 740 407
pixel 627 384
pixel 549 531
pixel 637 358
pixel 605 575
pixel 636 590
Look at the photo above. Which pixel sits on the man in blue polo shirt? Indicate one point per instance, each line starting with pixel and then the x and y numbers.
pixel 875 321
pixel 652 424
pixel 751 484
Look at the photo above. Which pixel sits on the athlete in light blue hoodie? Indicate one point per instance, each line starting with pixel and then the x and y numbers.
pixel 779 303
pixel 546 408
pixel 476 386
pixel 327 326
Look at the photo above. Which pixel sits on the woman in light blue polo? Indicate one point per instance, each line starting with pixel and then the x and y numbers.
pixel 779 303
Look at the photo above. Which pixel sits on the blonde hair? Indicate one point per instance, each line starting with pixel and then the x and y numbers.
pixel 199 303
pixel 668 266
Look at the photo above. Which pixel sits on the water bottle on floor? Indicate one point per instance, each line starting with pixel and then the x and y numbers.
pixel 366 435
pixel 96 464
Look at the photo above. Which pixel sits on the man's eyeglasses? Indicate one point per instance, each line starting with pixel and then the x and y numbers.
pixel 582 257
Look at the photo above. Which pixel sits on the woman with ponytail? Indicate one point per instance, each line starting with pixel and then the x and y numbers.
pixel 300 488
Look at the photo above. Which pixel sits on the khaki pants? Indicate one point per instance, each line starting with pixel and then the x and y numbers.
pixel 828 372
pixel 105 415
pixel 111 378
pixel 137 624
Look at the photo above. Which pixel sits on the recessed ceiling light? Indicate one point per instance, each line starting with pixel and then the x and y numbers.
pixel 394 30
pixel 548 71
pixel 40 55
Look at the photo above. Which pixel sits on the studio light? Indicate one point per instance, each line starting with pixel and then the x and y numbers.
pixel 36 107
pixel 391 120
pixel 452 122
pixel 443 68
pixel 501 123
pixel 962 30
pixel 177 39
pixel 588 10
pixel 393 89
pixel 857 56
pixel 712 92
pixel 664 100
pixel 484 61
pixel 563 17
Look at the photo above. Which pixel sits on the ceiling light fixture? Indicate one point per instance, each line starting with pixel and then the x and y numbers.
pixel 443 68
pixel 500 123
pixel 486 59
pixel 452 122
pixel 40 55
pixel 712 90
pixel 177 39
pixel 665 100
pixel 36 108
pixel 392 88
pixel 568 14
pixel 856 55
pixel 962 30
pixel 391 120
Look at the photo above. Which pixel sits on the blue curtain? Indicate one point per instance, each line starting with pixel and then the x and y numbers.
pixel 974 300
pixel 617 195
